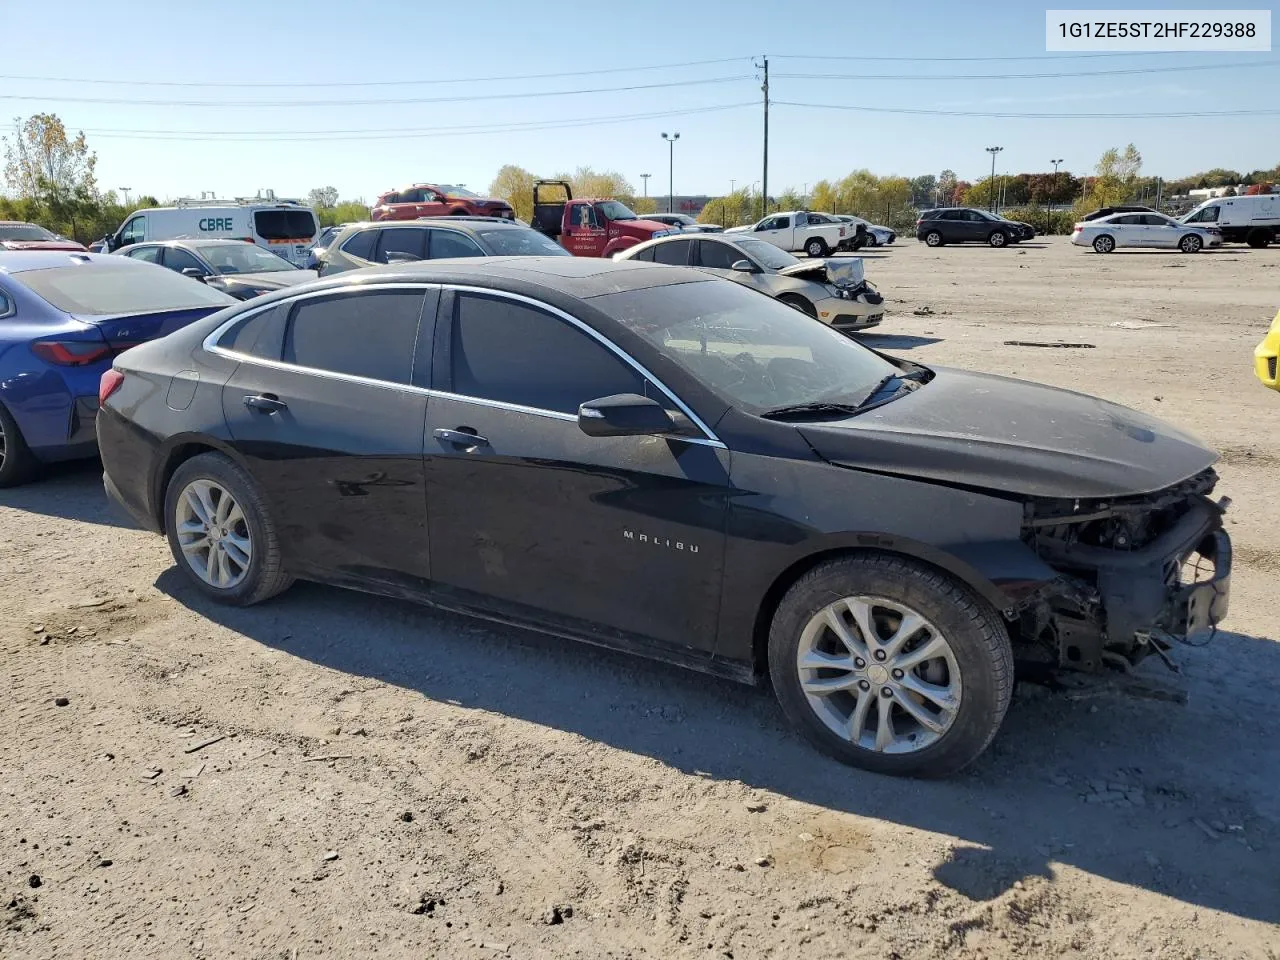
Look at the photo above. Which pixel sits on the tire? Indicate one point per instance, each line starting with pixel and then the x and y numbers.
pixel 1191 243
pixel 801 304
pixel 998 239
pixel 264 575
pixel 817 247
pixel 872 241
pixel 1104 243
pixel 17 463
pixel 933 239
pixel 1258 239
pixel 978 673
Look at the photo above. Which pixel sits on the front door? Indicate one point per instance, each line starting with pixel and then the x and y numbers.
pixel 331 426
pixel 777 230
pixel 584 233
pixel 1161 231
pixel 718 257
pixel 431 203
pixel 620 536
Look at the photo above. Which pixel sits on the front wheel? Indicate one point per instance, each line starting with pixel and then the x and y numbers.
pixel 1191 243
pixel 998 239
pixel 933 238
pixel 891 665
pixel 801 304
pixel 221 532
pixel 1104 244
pixel 872 241
pixel 817 247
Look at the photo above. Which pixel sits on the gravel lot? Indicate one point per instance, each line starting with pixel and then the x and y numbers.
pixel 394 782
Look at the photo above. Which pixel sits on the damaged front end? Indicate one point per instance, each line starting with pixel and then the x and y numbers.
pixel 1136 574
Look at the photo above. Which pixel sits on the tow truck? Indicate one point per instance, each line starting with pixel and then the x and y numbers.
pixel 589 227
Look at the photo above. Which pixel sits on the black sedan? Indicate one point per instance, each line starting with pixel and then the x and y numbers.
pixel 650 458
pixel 241 269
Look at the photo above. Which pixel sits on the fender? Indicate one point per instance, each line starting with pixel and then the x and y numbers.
pixel 171 454
pixel 618 244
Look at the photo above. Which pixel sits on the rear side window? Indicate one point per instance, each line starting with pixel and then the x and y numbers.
pixel 361 244
pixel 6 305
pixel 146 254
pixel 401 244
pixel 296 225
pixel 514 353
pixel 676 252
pixel 448 243
pixel 258 335
pixel 365 334
pixel 645 255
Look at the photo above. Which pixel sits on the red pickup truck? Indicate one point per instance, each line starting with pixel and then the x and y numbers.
pixel 437 200
pixel 590 227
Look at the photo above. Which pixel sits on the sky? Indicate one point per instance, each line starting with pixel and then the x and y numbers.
pixel 242 94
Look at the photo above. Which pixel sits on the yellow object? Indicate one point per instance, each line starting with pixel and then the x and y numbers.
pixel 1266 356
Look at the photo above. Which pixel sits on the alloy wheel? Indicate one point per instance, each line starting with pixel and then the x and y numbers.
pixel 4 445
pixel 879 675
pixel 213 534
pixel 933 239
pixel 1191 244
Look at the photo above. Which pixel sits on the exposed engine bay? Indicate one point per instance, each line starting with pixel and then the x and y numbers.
pixel 1137 574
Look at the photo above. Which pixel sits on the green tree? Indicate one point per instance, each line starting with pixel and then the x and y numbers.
pixel 43 164
pixel 732 210
pixel 322 198
pixel 343 211
pixel 1116 179
pixel 947 187
pixel 515 185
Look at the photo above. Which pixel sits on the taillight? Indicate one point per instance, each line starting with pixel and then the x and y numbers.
pixel 109 384
pixel 1077 229
pixel 70 353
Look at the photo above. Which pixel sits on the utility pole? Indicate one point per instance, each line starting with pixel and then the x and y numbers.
pixel 645 177
pixel 125 191
pixel 991 187
pixel 764 177
pixel 671 170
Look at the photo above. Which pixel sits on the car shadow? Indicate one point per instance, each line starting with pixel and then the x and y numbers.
pixel 70 490
pixel 894 341
pixel 1021 810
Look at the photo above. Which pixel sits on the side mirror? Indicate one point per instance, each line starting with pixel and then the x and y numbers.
pixel 195 273
pixel 623 415
pixel 744 266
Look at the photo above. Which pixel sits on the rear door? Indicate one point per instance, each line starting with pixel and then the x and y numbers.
pixel 1129 230
pixel 620 535
pixel 327 408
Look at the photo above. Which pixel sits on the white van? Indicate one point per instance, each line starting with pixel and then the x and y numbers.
pixel 1253 220
pixel 285 227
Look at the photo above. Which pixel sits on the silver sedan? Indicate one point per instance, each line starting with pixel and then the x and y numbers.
pixel 833 291
pixel 1121 230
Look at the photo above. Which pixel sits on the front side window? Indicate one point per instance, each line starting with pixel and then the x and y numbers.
pixel 773 223
pixel 512 352
pixel 177 259
pixel 719 256
pixel 448 243
pixel 145 254
pixel 767 254
pixel 753 350
pixel 361 244
pixel 366 334
pixel 1207 215
pixel 134 231
pixel 228 258
pixel 584 215
pixel 401 245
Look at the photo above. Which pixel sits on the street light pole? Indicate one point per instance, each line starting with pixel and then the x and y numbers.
pixel 125 191
pixel 671 170
pixel 992 185
pixel 645 177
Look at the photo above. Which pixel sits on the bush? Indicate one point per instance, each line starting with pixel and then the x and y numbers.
pixel 1053 222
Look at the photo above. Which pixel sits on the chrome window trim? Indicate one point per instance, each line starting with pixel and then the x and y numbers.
pixel 210 344
pixel 709 438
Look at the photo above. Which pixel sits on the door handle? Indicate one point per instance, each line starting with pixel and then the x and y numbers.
pixel 265 403
pixel 462 437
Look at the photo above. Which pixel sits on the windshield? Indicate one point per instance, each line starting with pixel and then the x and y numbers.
pixel 1207 215
pixel 24 231
pixel 753 350
pixel 615 210
pixel 521 243
pixel 766 254
pixel 105 288
pixel 242 258
pixel 455 191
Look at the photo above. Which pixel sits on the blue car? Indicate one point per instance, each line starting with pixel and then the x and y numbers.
pixel 63 318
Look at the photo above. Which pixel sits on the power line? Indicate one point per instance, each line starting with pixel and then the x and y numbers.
pixel 368 83
pixel 1032 56
pixel 1174 115
pixel 384 133
pixel 1027 76
pixel 379 102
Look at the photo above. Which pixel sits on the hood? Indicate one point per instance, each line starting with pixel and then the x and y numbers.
pixel 271 280
pixel 739 229
pixel 641 225
pixel 1013 437
pixel 41 245
pixel 842 272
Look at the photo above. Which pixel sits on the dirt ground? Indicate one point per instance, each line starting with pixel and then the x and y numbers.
pixel 395 782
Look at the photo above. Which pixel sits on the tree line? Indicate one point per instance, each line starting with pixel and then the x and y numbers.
pixel 52 180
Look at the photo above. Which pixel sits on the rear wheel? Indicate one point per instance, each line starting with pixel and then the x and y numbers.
pixel 891 665
pixel 221 532
pixel 998 239
pixel 1191 243
pixel 17 463
pixel 817 247
pixel 1104 243
pixel 1259 238
pixel 933 238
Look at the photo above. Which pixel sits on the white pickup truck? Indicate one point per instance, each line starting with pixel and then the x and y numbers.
pixel 799 230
